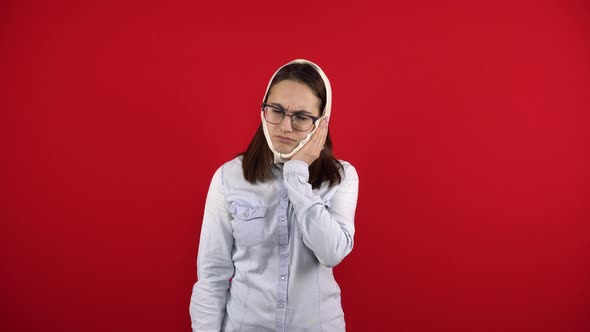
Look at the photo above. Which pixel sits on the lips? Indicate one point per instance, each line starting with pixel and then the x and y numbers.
pixel 284 139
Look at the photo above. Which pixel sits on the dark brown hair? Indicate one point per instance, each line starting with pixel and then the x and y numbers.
pixel 258 158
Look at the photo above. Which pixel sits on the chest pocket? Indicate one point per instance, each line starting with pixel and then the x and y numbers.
pixel 248 223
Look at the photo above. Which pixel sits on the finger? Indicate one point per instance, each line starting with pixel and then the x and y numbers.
pixel 324 133
pixel 319 138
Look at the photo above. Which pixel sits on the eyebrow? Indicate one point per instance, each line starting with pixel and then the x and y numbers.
pixel 294 112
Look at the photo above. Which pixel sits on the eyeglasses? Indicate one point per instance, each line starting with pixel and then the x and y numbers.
pixel 275 114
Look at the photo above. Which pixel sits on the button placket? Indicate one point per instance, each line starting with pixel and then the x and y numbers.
pixel 283 247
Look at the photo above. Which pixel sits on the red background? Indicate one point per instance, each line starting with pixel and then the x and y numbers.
pixel 468 125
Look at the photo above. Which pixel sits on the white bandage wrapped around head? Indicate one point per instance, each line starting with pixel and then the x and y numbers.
pixel 282 157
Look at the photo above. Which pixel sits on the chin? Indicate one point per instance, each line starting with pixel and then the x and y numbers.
pixel 284 149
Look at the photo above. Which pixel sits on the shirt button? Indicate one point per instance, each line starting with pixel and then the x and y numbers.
pixel 282 218
pixel 283 248
pixel 282 305
pixel 283 278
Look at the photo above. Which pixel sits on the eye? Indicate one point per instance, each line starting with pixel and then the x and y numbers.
pixel 298 117
pixel 275 110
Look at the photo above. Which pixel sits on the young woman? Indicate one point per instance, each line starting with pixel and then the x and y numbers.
pixel 278 218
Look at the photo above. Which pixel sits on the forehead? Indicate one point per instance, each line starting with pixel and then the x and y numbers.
pixel 294 96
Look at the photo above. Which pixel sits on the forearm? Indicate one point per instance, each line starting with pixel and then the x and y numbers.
pixel 328 232
pixel 214 263
pixel 207 307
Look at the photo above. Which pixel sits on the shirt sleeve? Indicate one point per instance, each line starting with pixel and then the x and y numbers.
pixel 328 232
pixel 214 262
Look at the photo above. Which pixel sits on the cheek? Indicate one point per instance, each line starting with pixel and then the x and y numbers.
pixel 301 136
pixel 271 128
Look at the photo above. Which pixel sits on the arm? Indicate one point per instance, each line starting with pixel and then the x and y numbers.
pixel 327 232
pixel 214 262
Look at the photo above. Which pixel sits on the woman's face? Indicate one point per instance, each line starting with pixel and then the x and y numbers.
pixel 294 97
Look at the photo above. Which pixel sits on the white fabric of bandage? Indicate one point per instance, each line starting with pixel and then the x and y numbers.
pixel 283 157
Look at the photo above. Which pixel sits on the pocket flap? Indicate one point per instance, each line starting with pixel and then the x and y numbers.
pixel 247 212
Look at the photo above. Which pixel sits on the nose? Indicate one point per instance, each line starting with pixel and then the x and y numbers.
pixel 285 124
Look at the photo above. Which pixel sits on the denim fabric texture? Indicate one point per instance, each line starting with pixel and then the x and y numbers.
pixel 267 251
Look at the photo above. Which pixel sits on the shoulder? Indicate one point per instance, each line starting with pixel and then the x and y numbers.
pixel 231 178
pixel 348 170
pixel 234 164
pixel 231 169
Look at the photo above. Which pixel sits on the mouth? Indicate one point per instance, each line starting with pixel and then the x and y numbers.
pixel 284 139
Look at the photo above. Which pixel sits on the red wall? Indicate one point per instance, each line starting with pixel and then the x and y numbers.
pixel 468 125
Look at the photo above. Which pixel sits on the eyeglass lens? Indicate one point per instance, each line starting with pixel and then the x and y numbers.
pixel 298 121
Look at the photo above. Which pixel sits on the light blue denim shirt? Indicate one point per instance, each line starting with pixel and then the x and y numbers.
pixel 267 251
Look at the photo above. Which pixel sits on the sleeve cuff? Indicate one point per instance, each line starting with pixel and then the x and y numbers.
pixel 296 167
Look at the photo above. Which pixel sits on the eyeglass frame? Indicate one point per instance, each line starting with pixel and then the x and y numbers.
pixel 281 109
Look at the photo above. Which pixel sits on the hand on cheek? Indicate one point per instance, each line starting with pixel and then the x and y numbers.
pixel 311 151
